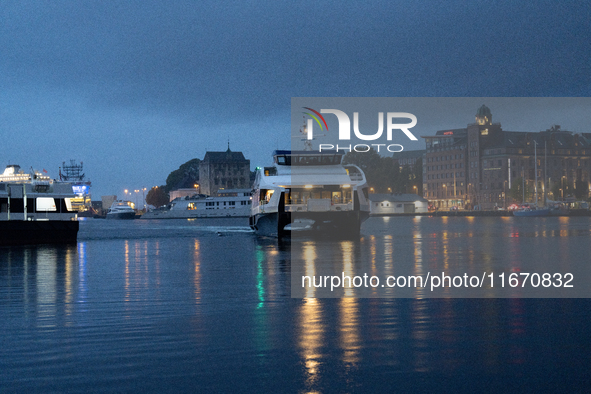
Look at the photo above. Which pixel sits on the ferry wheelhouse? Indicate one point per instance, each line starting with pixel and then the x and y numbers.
pixel 307 190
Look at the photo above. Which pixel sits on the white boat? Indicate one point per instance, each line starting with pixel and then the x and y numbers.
pixel 121 209
pixel 228 203
pixel 308 190
pixel 34 209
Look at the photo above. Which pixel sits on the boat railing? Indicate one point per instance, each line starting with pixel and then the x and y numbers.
pixel 319 205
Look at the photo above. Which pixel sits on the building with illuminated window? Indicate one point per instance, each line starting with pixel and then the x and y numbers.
pixel 223 170
pixel 483 166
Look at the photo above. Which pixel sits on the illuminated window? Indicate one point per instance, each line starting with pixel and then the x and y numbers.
pixel 46 204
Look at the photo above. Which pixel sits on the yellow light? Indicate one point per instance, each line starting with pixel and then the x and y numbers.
pixel 308 186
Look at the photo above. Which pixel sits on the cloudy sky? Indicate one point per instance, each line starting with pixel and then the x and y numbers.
pixel 136 88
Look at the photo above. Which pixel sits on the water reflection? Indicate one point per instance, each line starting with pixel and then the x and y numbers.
pixel 311 340
pixel 208 311
pixel 350 340
pixel 197 277
pixel 472 251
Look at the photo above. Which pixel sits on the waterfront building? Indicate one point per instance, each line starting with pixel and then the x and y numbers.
pixel 483 166
pixel 384 204
pixel 223 170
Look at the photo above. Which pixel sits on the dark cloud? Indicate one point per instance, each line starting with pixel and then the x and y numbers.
pixel 213 69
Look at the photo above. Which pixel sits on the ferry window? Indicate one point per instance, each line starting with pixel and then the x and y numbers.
pixel 265 196
pixel 46 204
pixel 191 206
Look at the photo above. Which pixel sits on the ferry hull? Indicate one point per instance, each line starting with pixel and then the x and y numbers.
pixel 333 224
pixel 185 214
pixel 16 232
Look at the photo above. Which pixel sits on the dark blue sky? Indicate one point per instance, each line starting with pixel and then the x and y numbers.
pixel 136 88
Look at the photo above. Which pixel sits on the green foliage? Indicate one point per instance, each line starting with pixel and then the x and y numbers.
pixel 417 180
pixel 556 192
pixel 186 176
pixel 516 191
pixel 581 190
pixel 384 175
pixel 157 196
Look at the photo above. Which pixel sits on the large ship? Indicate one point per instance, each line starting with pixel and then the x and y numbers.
pixel 228 203
pixel 34 209
pixel 308 190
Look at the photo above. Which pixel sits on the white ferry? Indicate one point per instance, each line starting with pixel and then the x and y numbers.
pixel 307 190
pixel 35 209
pixel 228 203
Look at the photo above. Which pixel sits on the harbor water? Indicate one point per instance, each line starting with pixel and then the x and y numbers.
pixel 206 306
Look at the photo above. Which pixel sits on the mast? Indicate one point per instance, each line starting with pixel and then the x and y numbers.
pixel 523 185
pixel 545 171
pixel 536 170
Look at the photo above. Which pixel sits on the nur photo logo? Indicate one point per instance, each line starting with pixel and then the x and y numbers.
pixel 391 119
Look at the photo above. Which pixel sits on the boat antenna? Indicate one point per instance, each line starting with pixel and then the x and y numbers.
pixel 304 132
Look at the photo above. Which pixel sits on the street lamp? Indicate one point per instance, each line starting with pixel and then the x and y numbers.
pixel 415 188
pixel 136 197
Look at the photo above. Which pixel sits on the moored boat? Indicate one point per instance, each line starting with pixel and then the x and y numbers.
pixel 228 203
pixel 531 211
pixel 121 210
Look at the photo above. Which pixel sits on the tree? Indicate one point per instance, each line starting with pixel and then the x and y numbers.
pixel 516 191
pixel 581 190
pixel 384 174
pixel 417 181
pixel 186 176
pixel 157 196
pixel 372 165
pixel 556 191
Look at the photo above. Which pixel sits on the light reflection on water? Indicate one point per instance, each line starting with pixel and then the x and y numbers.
pixel 155 313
